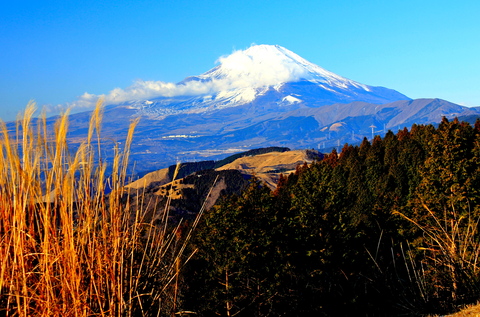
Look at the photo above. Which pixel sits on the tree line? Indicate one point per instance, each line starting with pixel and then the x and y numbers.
pixel 386 227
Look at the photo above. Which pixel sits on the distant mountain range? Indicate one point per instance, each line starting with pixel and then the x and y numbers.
pixel 260 97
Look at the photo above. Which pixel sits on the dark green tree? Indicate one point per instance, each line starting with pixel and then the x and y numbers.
pixel 240 262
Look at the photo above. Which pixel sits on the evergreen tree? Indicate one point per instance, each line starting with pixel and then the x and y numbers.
pixel 240 261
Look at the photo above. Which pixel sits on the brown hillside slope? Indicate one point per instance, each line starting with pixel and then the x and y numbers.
pixel 268 167
pixel 161 177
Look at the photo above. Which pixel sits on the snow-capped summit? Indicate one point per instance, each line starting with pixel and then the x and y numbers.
pixel 268 72
pixel 260 74
pixel 270 65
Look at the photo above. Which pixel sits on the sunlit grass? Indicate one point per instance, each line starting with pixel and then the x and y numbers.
pixel 67 248
pixel 450 269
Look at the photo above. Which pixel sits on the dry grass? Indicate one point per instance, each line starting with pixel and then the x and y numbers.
pixel 67 248
pixel 450 266
pixel 468 311
pixel 262 165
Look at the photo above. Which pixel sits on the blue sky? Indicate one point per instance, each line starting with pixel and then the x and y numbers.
pixel 55 51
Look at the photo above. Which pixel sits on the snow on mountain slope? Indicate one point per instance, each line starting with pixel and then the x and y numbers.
pixel 270 65
pixel 262 96
pixel 260 70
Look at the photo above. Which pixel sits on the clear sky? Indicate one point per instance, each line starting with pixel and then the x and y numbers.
pixel 55 51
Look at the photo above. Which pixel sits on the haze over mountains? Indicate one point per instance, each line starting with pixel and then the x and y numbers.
pixel 263 96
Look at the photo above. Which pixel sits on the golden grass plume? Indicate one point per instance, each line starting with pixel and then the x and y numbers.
pixel 67 248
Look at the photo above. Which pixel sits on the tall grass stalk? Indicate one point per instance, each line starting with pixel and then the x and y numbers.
pixel 67 248
pixel 450 267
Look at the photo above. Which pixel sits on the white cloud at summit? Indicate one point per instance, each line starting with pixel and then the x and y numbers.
pixel 256 67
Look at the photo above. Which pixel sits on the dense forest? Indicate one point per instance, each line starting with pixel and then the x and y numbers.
pixel 384 228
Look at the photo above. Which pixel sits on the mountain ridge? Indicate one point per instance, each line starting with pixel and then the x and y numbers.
pixel 262 71
pixel 219 133
pixel 260 97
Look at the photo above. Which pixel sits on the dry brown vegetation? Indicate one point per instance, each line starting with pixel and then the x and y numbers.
pixel 161 177
pixel 469 311
pixel 67 248
pixel 268 167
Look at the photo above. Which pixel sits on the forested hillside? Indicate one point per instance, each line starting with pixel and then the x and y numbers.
pixel 387 227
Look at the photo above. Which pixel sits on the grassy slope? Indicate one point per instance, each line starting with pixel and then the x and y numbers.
pixel 267 167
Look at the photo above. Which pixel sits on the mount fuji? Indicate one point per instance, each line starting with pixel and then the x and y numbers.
pixel 267 72
pixel 263 96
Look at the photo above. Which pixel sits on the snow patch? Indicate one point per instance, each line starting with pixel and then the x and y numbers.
pixel 337 126
pixel 291 99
